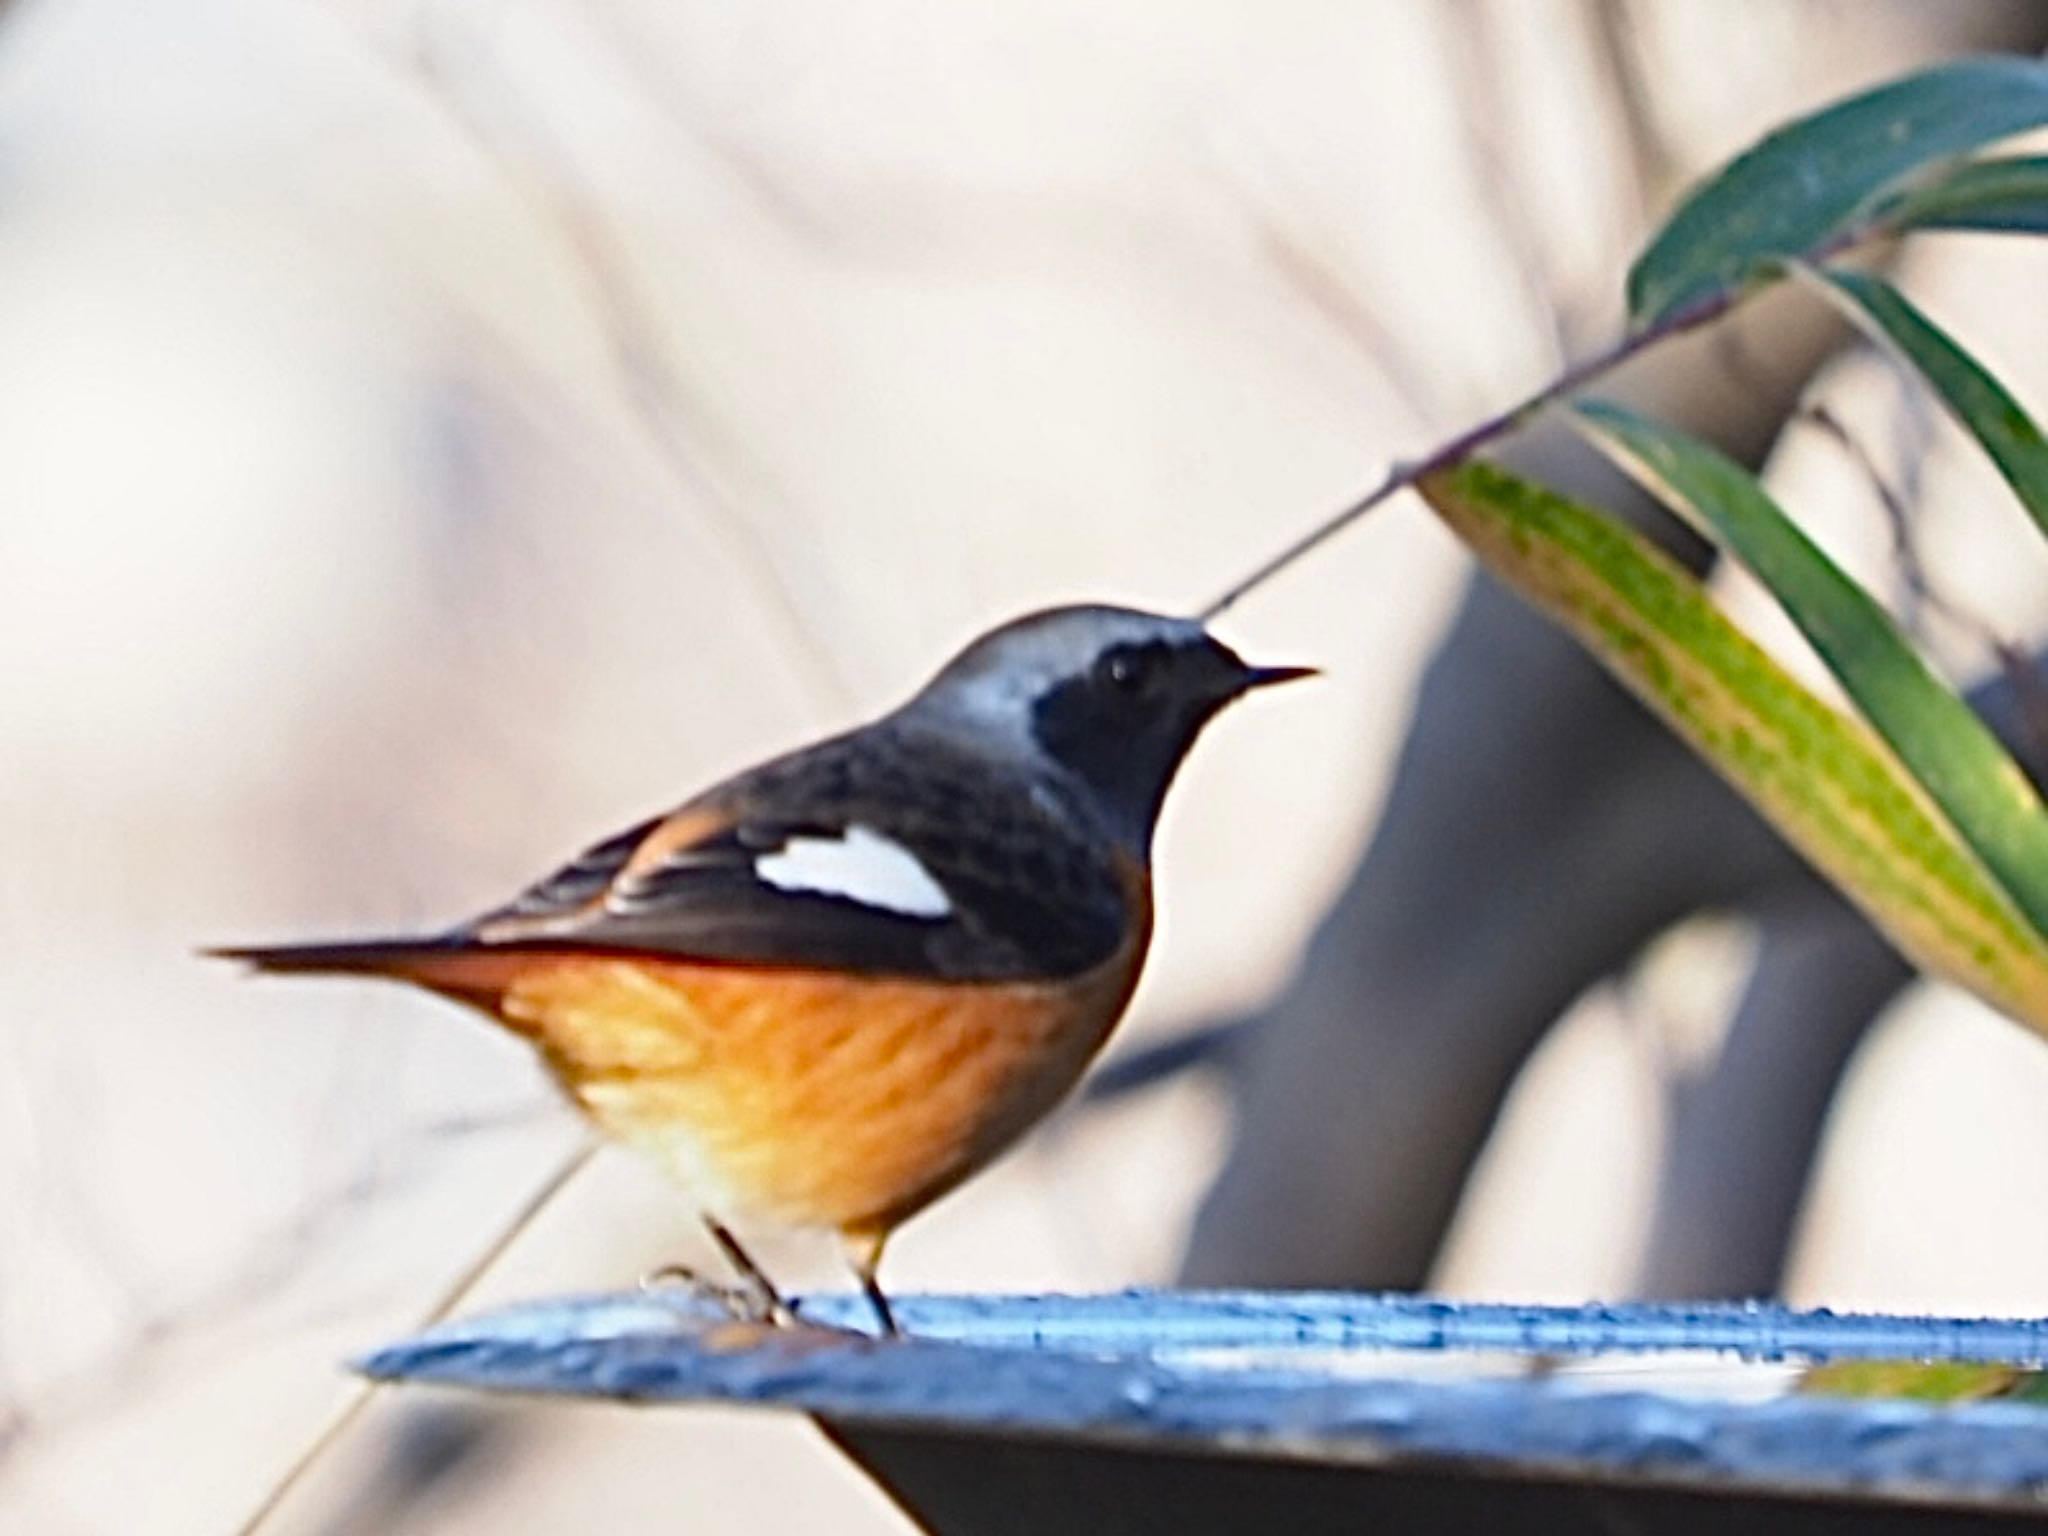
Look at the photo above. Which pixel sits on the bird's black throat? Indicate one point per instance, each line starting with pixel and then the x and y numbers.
pixel 1123 726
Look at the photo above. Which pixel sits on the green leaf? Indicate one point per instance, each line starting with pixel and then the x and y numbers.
pixel 1978 400
pixel 2007 196
pixel 1952 753
pixel 1819 776
pixel 1925 1381
pixel 1811 184
pixel 2030 1387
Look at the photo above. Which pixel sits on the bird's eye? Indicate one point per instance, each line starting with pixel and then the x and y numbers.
pixel 1126 671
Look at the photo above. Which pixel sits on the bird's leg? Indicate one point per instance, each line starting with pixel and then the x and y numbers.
pixel 769 1307
pixel 864 1253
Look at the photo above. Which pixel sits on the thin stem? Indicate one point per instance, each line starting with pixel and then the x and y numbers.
pixel 1689 317
pixel 450 1299
pixel 1404 475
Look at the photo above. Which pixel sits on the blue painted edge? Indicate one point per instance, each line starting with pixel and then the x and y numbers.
pixel 1299 1374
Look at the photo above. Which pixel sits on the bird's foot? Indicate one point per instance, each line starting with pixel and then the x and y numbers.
pixel 744 1303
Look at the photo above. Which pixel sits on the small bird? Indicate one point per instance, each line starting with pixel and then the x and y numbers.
pixel 826 991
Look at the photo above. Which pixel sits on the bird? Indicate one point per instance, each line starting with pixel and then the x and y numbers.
pixel 829 989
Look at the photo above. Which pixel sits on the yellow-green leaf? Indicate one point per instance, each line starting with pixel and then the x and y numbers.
pixel 1821 778
pixel 1963 767
pixel 1924 1381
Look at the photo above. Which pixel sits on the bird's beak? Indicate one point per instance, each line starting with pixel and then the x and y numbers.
pixel 1265 677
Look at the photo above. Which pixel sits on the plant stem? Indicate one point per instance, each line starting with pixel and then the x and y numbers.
pixel 471 1275
pixel 1707 308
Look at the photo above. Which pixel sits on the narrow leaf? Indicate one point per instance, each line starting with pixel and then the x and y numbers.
pixel 1813 182
pixel 1953 754
pixel 1924 1381
pixel 2008 196
pixel 1978 400
pixel 2031 1387
pixel 1817 775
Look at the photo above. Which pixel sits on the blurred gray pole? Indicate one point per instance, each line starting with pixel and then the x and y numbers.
pixel 1741 1136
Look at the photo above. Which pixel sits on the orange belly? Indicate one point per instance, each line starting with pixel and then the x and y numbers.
pixel 803 1096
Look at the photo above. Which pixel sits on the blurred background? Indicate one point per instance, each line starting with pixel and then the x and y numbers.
pixel 435 434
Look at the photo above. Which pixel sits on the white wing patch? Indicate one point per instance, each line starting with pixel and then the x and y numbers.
pixel 863 866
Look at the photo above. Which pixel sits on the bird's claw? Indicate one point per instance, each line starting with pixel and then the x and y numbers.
pixel 741 1303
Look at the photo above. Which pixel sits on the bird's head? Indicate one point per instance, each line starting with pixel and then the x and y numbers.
pixel 1109 699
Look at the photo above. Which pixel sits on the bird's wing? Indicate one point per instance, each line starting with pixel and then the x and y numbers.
pixel 880 864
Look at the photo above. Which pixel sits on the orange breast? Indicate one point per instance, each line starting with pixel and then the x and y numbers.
pixel 808 1097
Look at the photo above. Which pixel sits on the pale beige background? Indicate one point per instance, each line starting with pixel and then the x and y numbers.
pixel 432 434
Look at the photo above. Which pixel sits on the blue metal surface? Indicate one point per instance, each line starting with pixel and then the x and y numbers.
pixel 1339 1377
pixel 1146 1322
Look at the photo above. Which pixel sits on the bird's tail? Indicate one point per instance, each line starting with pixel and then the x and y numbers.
pixel 345 956
pixel 455 964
